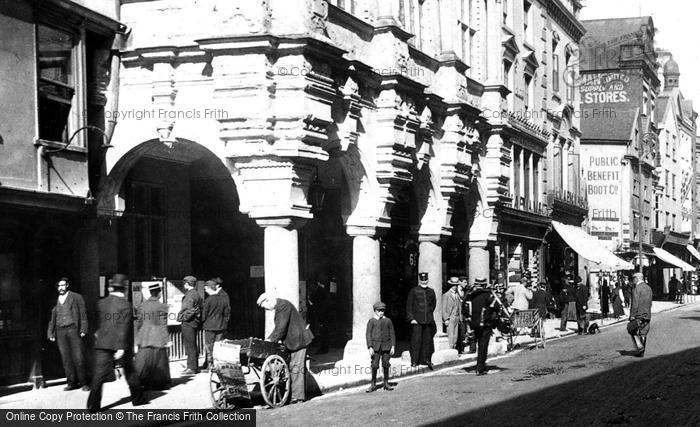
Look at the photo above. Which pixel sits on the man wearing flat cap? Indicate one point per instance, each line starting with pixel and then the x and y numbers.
pixel 452 311
pixel 216 313
pixel 114 341
pixel 380 343
pixel 295 334
pixel 420 305
pixel 190 316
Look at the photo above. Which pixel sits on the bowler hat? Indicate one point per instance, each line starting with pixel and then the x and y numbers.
pixel 423 277
pixel 453 280
pixel 480 281
pixel 118 281
pixel 379 306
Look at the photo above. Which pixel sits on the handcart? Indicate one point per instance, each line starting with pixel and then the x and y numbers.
pixel 245 368
pixel 525 322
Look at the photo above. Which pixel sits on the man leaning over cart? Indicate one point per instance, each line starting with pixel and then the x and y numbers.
pixel 291 329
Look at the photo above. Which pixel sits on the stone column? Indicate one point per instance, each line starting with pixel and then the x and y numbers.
pixel 478 261
pixel 430 261
pixel 281 264
pixel 366 285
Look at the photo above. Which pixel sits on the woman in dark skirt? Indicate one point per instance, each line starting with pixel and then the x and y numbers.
pixel 151 361
pixel 605 299
pixel 618 311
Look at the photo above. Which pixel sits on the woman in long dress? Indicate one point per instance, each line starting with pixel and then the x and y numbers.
pixel 151 361
pixel 618 311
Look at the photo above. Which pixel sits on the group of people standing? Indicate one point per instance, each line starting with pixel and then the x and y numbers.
pixel 133 338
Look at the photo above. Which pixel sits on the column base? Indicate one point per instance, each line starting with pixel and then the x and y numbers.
pixel 355 354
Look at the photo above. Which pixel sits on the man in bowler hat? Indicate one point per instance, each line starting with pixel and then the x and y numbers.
pixel 420 305
pixel 114 341
pixel 68 325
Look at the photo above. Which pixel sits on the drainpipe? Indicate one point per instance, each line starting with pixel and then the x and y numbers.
pixel 113 87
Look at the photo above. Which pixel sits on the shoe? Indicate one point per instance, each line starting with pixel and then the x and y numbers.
pixel 481 373
pixel 387 388
pixel 86 388
pixel 371 389
pixel 140 401
pixel 188 372
pixel 430 366
pixel 70 387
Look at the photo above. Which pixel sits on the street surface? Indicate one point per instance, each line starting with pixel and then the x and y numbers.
pixel 576 381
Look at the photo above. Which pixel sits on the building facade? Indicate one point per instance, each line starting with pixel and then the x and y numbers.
pixel 56 64
pixel 353 142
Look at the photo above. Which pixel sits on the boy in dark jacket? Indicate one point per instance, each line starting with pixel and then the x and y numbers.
pixel 380 342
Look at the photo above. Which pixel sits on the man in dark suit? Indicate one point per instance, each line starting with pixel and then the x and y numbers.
pixel 291 329
pixel 114 341
pixel 420 305
pixel 381 342
pixel 216 313
pixel 190 316
pixel 582 296
pixel 482 321
pixel 152 339
pixel 68 325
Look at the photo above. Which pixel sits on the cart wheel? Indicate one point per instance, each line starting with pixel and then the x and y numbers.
pixel 219 398
pixel 275 382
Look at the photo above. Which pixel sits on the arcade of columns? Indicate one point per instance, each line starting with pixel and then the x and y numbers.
pixel 293 103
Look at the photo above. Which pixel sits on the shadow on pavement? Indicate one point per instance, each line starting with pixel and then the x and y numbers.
pixel 649 391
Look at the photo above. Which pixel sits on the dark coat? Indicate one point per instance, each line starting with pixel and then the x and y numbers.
pixel 640 307
pixel 290 328
pixel 216 312
pixel 380 334
pixel 484 309
pixel 192 308
pixel 582 296
pixel 115 320
pixel 77 307
pixel 539 302
pixel 152 324
pixel 420 305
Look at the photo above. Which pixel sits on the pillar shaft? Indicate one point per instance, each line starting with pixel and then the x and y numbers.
pixel 281 268
pixel 430 261
pixel 365 283
pixel 478 262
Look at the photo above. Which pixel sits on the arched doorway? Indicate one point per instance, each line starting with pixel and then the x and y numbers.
pixel 181 217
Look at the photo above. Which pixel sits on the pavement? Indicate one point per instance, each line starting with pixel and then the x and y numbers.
pixel 326 377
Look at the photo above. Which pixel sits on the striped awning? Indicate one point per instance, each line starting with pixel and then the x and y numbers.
pixel 669 258
pixel 589 248
pixel 694 252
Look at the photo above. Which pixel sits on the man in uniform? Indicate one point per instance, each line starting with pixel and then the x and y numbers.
pixel 190 316
pixel 484 310
pixel 420 305
pixel 291 329
pixel 640 313
pixel 114 341
pixel 216 313
pixel 68 326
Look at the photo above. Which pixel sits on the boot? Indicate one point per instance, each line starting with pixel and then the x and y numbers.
pixel 386 379
pixel 373 387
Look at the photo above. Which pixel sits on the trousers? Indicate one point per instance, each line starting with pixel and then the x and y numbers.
pixel 210 337
pixel 422 342
pixel 189 338
pixel 104 369
pixel 297 366
pixel 453 331
pixel 483 336
pixel 70 345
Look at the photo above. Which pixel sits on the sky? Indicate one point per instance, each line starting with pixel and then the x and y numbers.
pixel 676 22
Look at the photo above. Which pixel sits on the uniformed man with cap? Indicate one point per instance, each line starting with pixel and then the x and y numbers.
pixel 114 341
pixel 483 319
pixel 381 341
pixel 190 316
pixel 420 305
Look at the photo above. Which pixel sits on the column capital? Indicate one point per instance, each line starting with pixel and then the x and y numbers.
pixel 290 222
pixel 478 243
pixel 365 230
pixel 438 239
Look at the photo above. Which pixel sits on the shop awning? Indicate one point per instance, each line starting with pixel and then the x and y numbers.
pixel 669 258
pixel 589 248
pixel 693 252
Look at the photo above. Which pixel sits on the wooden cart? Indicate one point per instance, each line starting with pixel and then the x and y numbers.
pixel 246 368
pixel 525 322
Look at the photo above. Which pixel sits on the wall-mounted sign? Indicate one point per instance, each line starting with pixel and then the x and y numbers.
pixel 605 88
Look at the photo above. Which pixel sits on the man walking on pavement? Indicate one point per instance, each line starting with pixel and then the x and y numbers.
pixel 484 311
pixel 640 313
pixel 190 316
pixel 215 313
pixel 68 326
pixel 582 296
pixel 420 305
pixel 114 342
pixel 452 311
pixel 291 329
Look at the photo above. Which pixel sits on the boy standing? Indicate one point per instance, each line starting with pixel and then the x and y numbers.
pixel 380 342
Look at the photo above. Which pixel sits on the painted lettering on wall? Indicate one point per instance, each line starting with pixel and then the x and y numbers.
pixel 605 88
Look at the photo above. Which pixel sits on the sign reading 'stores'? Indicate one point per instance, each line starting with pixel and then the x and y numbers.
pixel 605 88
